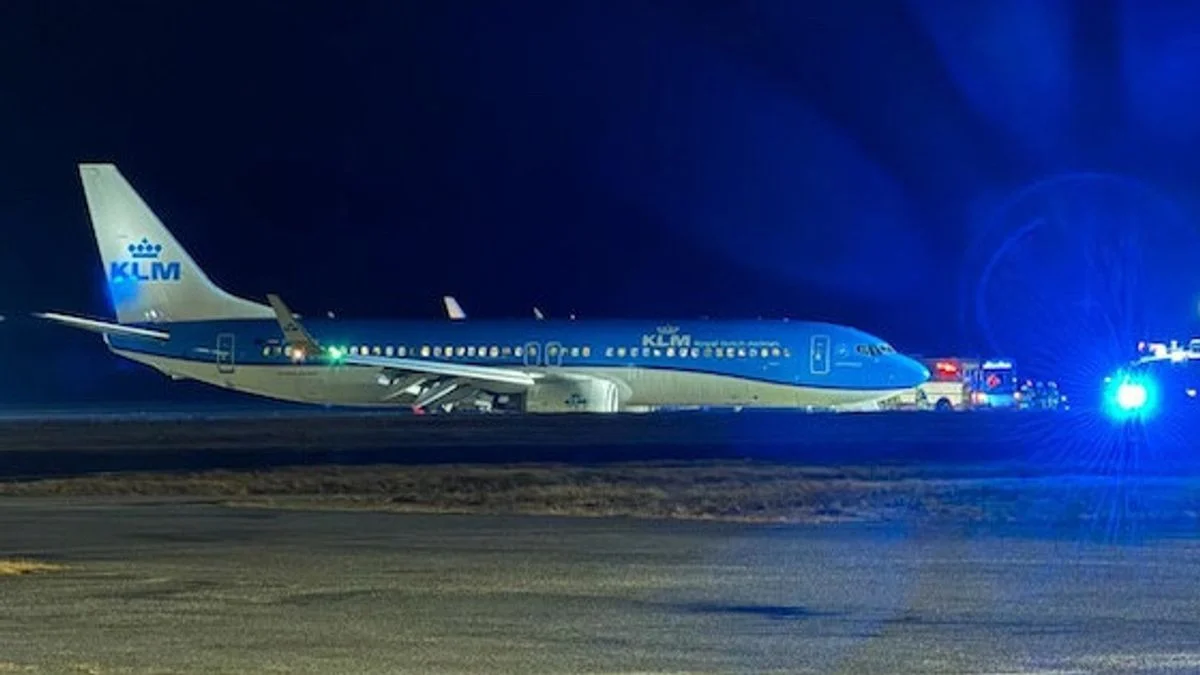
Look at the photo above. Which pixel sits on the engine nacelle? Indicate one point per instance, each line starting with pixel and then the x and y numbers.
pixel 582 395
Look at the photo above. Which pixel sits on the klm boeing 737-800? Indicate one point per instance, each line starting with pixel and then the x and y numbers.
pixel 171 317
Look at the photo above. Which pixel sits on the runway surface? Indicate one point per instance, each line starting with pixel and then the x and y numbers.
pixel 177 587
pixel 45 442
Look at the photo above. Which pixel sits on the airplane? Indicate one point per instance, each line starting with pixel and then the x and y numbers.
pixel 172 317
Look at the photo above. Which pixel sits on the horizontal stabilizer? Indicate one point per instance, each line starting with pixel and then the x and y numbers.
pixel 104 327
pixel 463 370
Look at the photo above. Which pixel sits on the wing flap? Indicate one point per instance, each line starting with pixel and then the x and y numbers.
pixel 445 369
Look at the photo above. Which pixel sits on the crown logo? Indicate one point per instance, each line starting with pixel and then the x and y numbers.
pixel 668 330
pixel 144 250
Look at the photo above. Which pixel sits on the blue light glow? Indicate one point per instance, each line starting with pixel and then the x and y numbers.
pixel 1130 397
pixel 1011 60
pixel 1160 50
pixel 122 291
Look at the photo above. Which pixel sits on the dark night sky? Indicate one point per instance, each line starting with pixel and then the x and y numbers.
pixel 848 160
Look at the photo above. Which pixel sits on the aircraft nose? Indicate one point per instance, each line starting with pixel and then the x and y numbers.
pixel 920 373
pixel 910 372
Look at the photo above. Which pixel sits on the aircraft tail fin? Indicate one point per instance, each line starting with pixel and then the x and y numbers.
pixel 151 278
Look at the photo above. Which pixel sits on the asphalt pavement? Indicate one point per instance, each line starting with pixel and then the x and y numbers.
pixel 179 587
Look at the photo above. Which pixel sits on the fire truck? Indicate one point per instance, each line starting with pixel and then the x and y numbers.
pixel 964 384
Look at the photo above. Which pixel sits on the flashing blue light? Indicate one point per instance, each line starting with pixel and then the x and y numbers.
pixel 1130 397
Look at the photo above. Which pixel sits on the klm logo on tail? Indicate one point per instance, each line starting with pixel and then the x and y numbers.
pixel 145 265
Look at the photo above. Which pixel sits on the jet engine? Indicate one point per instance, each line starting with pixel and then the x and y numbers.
pixel 586 394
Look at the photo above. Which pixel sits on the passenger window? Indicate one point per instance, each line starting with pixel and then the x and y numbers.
pixel 471 351
pixel 742 352
pixel 518 351
pixel 587 351
pixel 695 352
pixel 461 351
pixel 494 351
pixel 708 352
pixel 377 351
pixel 633 352
pixel 364 350
pixel 620 352
pixel 507 350
pixel 753 352
pixel 266 351
pixel 575 351
pixel 425 350
pixel 658 352
pixel 670 351
pixel 401 350
pixel 389 350
pixel 775 351
pixel 354 350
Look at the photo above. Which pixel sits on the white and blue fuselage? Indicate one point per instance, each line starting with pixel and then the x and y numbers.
pixel 784 364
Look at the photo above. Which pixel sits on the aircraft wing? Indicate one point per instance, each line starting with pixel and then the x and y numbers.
pixel 296 335
pixel 480 374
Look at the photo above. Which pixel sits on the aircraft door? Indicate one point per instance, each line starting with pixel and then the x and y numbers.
pixel 225 346
pixel 554 354
pixel 819 355
pixel 531 354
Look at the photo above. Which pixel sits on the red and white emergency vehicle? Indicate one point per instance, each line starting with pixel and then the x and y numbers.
pixel 957 383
